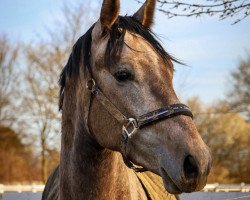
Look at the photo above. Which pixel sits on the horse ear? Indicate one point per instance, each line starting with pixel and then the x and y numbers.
pixel 145 14
pixel 109 13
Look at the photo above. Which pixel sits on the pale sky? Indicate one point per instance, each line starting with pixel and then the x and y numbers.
pixel 211 48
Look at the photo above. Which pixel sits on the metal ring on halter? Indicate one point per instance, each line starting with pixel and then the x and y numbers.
pixel 127 130
pixel 130 128
pixel 90 84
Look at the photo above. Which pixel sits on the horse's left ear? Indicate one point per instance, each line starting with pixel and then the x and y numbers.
pixel 109 13
pixel 145 14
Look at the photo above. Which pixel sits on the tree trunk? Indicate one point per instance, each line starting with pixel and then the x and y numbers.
pixel 44 162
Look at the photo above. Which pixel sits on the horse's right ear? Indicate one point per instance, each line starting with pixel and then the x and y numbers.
pixel 109 13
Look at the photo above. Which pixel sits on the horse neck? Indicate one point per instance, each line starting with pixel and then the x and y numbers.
pixel 90 172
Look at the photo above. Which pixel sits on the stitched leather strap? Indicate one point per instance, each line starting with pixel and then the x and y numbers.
pixel 143 120
pixel 163 113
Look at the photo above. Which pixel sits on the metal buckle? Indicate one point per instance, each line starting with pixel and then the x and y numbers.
pixel 132 124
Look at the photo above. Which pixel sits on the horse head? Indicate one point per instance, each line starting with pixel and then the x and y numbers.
pixel 131 76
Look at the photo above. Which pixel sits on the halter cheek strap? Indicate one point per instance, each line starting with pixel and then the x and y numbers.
pixel 131 125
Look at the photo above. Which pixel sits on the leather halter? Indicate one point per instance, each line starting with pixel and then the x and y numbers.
pixel 130 126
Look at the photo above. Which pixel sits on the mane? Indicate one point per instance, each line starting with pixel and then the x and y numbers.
pixel 72 66
pixel 113 50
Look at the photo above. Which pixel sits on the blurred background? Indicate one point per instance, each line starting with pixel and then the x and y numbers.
pixel 36 38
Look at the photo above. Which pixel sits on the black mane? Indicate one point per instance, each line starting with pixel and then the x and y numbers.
pixel 113 50
pixel 72 66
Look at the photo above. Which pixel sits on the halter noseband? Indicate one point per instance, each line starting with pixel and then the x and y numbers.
pixel 131 125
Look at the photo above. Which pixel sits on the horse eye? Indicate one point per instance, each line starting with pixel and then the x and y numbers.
pixel 123 75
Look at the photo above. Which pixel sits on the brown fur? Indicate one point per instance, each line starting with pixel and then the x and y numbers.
pixel 87 171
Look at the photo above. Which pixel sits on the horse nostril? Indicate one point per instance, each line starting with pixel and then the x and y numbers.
pixel 190 168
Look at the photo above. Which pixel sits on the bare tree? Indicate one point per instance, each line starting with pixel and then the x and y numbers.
pixel 8 80
pixel 45 61
pixel 237 9
pixel 239 95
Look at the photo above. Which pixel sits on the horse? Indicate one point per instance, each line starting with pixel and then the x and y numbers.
pixel 121 116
